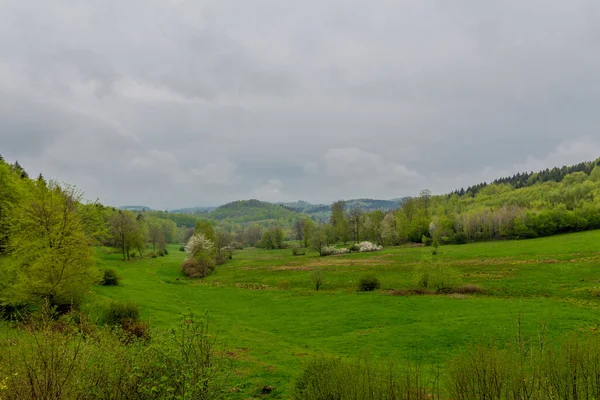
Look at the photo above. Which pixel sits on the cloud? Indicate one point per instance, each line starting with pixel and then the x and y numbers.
pixel 353 164
pixel 270 191
pixel 187 103
pixel 221 172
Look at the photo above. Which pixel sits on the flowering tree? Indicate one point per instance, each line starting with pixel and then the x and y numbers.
pixel 200 259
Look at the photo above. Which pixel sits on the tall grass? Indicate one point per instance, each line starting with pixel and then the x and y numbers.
pixel 73 359
pixel 523 370
pixel 334 378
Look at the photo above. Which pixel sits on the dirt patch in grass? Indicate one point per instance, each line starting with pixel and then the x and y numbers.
pixel 326 262
pixel 253 286
pixel 504 261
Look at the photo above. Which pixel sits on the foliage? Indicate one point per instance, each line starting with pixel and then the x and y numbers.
pixel 197 268
pixel 109 278
pixel 73 359
pixel 298 251
pixel 317 277
pixel 365 247
pixel 365 378
pixel 332 250
pixel 121 313
pixel 51 256
pixel 368 283
pixel 126 232
pixel 274 238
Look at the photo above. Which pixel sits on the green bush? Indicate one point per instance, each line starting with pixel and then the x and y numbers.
pixel 333 378
pixel 182 248
pixel 298 251
pixel 368 283
pixel 110 278
pixel 193 268
pixel 166 251
pixel 161 253
pixel 121 313
pixel 73 359
pixel 152 254
pixel 355 248
pixel 460 238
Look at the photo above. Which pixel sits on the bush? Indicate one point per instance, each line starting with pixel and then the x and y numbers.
pixel 426 240
pixel 110 278
pixel 435 245
pixel 193 268
pixel 468 289
pixel 355 248
pixel 161 253
pixel 166 251
pixel 72 359
pixel 236 246
pixel 152 254
pixel 331 250
pixel 334 378
pixel 460 238
pixel 318 278
pixel 368 246
pixel 298 251
pixel 182 248
pixel 121 313
pixel 368 283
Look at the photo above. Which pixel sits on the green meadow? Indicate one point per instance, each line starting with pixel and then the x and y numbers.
pixel 264 306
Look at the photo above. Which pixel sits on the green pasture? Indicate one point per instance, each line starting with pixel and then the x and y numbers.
pixel 264 306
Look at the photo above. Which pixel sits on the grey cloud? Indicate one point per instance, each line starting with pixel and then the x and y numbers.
pixel 187 103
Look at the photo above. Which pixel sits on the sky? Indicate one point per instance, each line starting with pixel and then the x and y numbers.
pixel 173 103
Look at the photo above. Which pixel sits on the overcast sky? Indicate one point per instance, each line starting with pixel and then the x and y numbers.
pixel 182 103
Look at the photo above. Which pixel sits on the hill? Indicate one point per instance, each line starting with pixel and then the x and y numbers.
pixel 323 211
pixel 253 211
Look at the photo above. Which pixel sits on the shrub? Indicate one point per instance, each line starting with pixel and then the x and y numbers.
pixel 367 247
pixel 298 251
pixel 284 285
pixel 426 240
pixel 368 283
pixel 71 359
pixel 334 378
pixel 435 244
pixel 468 289
pixel 236 246
pixel 152 254
pixel 460 238
pixel 354 248
pixel 331 250
pixel 110 278
pixel 121 313
pixel 194 268
pixel 318 278
pixel 161 253
pixel 166 251
pixel 182 248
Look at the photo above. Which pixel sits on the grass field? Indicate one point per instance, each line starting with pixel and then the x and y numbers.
pixel 264 306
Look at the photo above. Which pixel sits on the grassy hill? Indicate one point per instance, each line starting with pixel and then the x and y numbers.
pixel 253 211
pixel 265 307
pixel 323 211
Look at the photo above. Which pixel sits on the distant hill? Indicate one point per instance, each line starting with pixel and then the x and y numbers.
pixel 135 208
pixel 253 211
pixel 322 211
pixel 193 210
pixel 527 179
